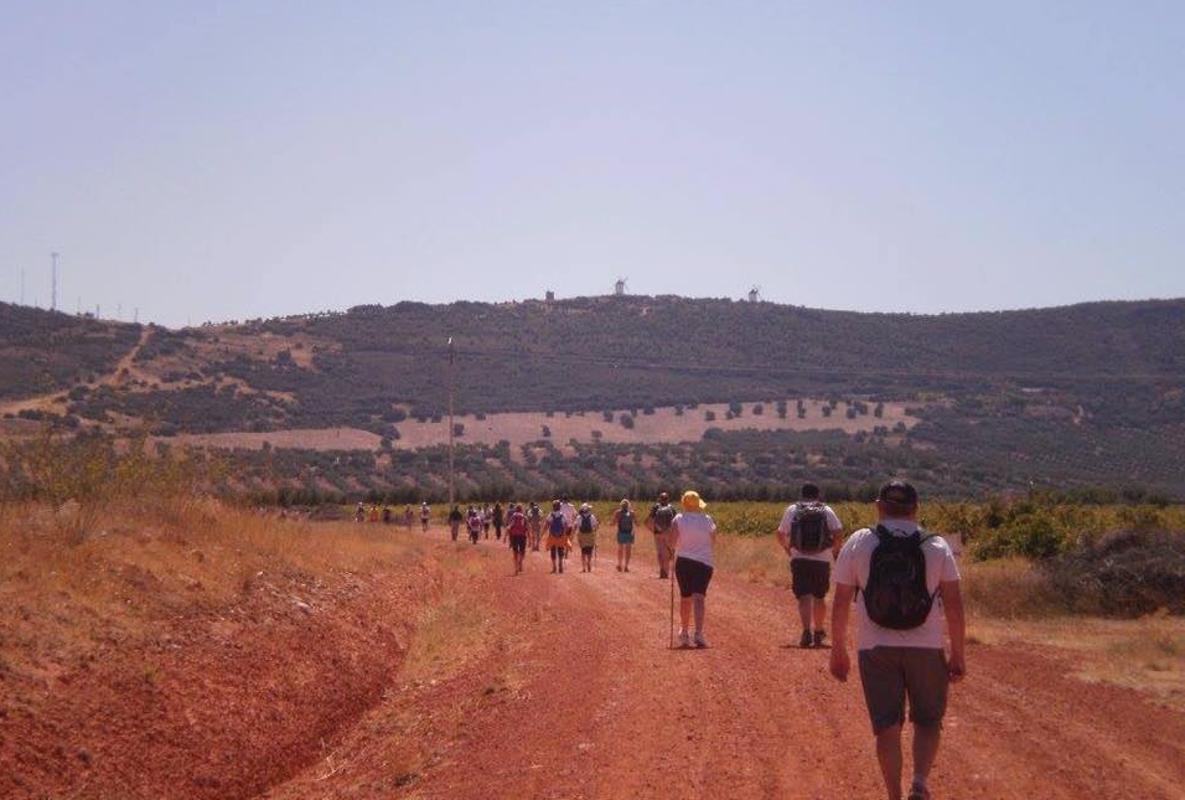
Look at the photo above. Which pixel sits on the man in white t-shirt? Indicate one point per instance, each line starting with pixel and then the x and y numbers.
pixel 811 534
pixel 907 583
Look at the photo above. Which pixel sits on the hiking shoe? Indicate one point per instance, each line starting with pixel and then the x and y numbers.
pixel 918 793
pixel 700 641
pixel 820 637
pixel 807 640
pixel 684 639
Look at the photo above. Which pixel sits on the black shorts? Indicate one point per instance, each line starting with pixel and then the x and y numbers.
pixel 518 544
pixel 692 576
pixel 892 674
pixel 808 577
pixel 586 550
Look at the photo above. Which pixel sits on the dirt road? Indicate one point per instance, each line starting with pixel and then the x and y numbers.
pixel 569 691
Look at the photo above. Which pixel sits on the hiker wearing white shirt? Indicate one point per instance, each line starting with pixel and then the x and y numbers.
pixel 811 534
pixel 905 583
pixel 693 540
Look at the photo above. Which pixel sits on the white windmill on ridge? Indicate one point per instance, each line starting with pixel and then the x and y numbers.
pixel 755 294
pixel 619 287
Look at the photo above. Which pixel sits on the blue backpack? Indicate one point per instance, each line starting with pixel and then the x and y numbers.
pixel 555 524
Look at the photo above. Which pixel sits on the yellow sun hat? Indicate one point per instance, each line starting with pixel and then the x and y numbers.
pixel 693 502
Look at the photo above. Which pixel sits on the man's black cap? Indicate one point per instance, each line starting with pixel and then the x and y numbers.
pixel 899 493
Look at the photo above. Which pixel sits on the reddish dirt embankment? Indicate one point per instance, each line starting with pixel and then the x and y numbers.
pixel 166 666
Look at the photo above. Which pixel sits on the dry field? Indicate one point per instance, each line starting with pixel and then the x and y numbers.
pixel 519 428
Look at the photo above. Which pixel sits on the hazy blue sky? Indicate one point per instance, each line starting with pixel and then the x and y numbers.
pixel 211 160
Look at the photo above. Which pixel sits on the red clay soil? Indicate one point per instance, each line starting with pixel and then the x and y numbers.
pixel 222 704
pixel 569 690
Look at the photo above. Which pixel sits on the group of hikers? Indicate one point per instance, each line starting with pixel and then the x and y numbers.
pixel 387 517
pixel 902 580
pixel 527 526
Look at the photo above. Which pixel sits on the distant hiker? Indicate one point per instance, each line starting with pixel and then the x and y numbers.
pixel 586 536
pixel 374 514
pixel 558 532
pixel 811 534
pixel 662 514
pixel 455 518
pixel 569 512
pixel 425 515
pixel 409 517
pixel 360 513
pixel 487 516
pixel 693 540
pixel 516 534
pixel 499 517
pixel 623 518
pixel 386 515
pixel 474 522
pixel 905 582
pixel 535 522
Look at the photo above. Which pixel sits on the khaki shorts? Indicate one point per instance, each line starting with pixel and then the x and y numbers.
pixel 891 674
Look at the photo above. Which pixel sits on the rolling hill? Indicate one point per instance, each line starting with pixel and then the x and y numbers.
pixel 1076 396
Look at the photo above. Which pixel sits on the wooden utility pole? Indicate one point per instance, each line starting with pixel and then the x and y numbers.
pixel 452 431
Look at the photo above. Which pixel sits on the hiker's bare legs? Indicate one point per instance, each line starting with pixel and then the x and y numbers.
pixel 629 549
pixel 888 754
pixel 685 613
pixel 620 557
pixel 925 748
pixel 805 604
pixel 820 612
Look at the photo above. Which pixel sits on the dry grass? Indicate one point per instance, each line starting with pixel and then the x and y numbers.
pixel 1146 654
pixel 137 570
pixel 448 630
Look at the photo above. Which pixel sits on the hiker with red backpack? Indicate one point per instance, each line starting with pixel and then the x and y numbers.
pixel 811 534
pixel 905 584
pixel 558 534
pixel 516 535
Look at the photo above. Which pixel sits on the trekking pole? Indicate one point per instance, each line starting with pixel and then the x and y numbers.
pixel 672 626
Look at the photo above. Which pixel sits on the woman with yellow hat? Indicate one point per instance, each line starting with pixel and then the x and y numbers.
pixel 693 539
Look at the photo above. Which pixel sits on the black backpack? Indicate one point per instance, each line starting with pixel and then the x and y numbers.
pixel 586 525
pixel 896 595
pixel 663 517
pixel 809 532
